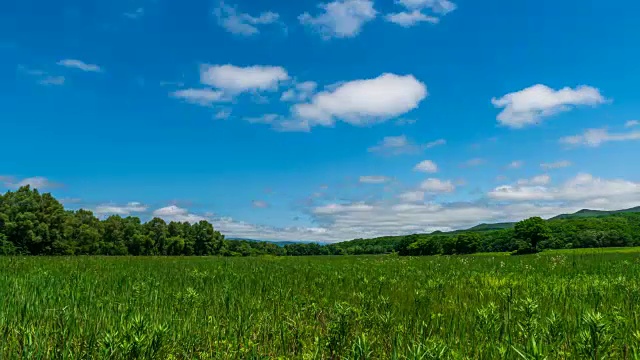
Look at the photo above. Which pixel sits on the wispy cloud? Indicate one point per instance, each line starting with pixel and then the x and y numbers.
pixel 80 65
pixel 556 165
pixel 136 14
pixel 340 18
pixel 242 23
pixel 597 137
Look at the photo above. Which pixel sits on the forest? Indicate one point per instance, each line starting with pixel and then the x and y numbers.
pixel 34 223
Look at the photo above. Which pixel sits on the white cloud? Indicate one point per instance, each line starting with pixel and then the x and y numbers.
pixel 632 123
pixel 437 186
pixel 408 213
pixel 300 92
pixel 408 19
pixel 411 196
pixel 259 204
pixel 36 182
pixel 426 166
pixel 597 137
pixel 175 213
pixel 138 13
pixel 113 209
pixel 583 187
pixel 435 143
pixel 222 114
pixel 442 7
pixel 531 105
pixel 516 164
pixel 363 102
pixel 397 145
pixel 374 179
pixel 543 179
pixel 242 23
pixel 233 79
pixel 556 165
pixel 203 97
pixel 341 18
pixel 80 65
pixel 53 80
pixel 415 12
pixel 264 119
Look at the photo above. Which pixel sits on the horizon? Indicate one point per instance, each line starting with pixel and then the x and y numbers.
pixel 322 121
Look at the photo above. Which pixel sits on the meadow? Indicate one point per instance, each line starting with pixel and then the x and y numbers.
pixel 553 305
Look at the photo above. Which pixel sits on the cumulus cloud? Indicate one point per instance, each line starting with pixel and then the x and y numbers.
pixel 426 166
pixel 597 137
pixel 242 23
pixel 408 212
pixel 114 209
pixel 175 213
pixel 340 18
pixel 556 165
pixel 433 185
pixel 533 104
pixel 374 179
pixel 80 65
pixel 409 19
pixel 234 79
pixel 583 187
pixel 363 102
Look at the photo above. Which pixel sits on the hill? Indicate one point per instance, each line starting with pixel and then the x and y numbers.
pixel 279 243
pixel 391 241
pixel 584 213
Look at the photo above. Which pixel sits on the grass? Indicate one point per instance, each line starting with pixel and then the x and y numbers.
pixel 581 305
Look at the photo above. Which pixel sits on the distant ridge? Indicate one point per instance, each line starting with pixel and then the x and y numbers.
pixel 279 243
pixel 594 213
pixel 584 213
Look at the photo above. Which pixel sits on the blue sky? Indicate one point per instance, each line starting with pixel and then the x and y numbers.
pixel 322 121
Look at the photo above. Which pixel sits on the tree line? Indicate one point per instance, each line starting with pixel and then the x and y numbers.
pixel 34 223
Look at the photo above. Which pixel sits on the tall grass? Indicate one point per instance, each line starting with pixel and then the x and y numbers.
pixel 563 306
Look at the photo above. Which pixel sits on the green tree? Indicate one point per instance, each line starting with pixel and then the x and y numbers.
pixel 532 231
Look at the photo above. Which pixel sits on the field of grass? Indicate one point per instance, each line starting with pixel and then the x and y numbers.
pixel 560 306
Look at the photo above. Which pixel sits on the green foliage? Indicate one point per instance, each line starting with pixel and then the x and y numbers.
pixel 555 305
pixel 532 232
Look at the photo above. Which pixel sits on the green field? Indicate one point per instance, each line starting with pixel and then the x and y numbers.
pixel 562 305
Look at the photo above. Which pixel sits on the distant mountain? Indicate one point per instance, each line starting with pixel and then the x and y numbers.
pixel 489 227
pixel 279 243
pixel 585 213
